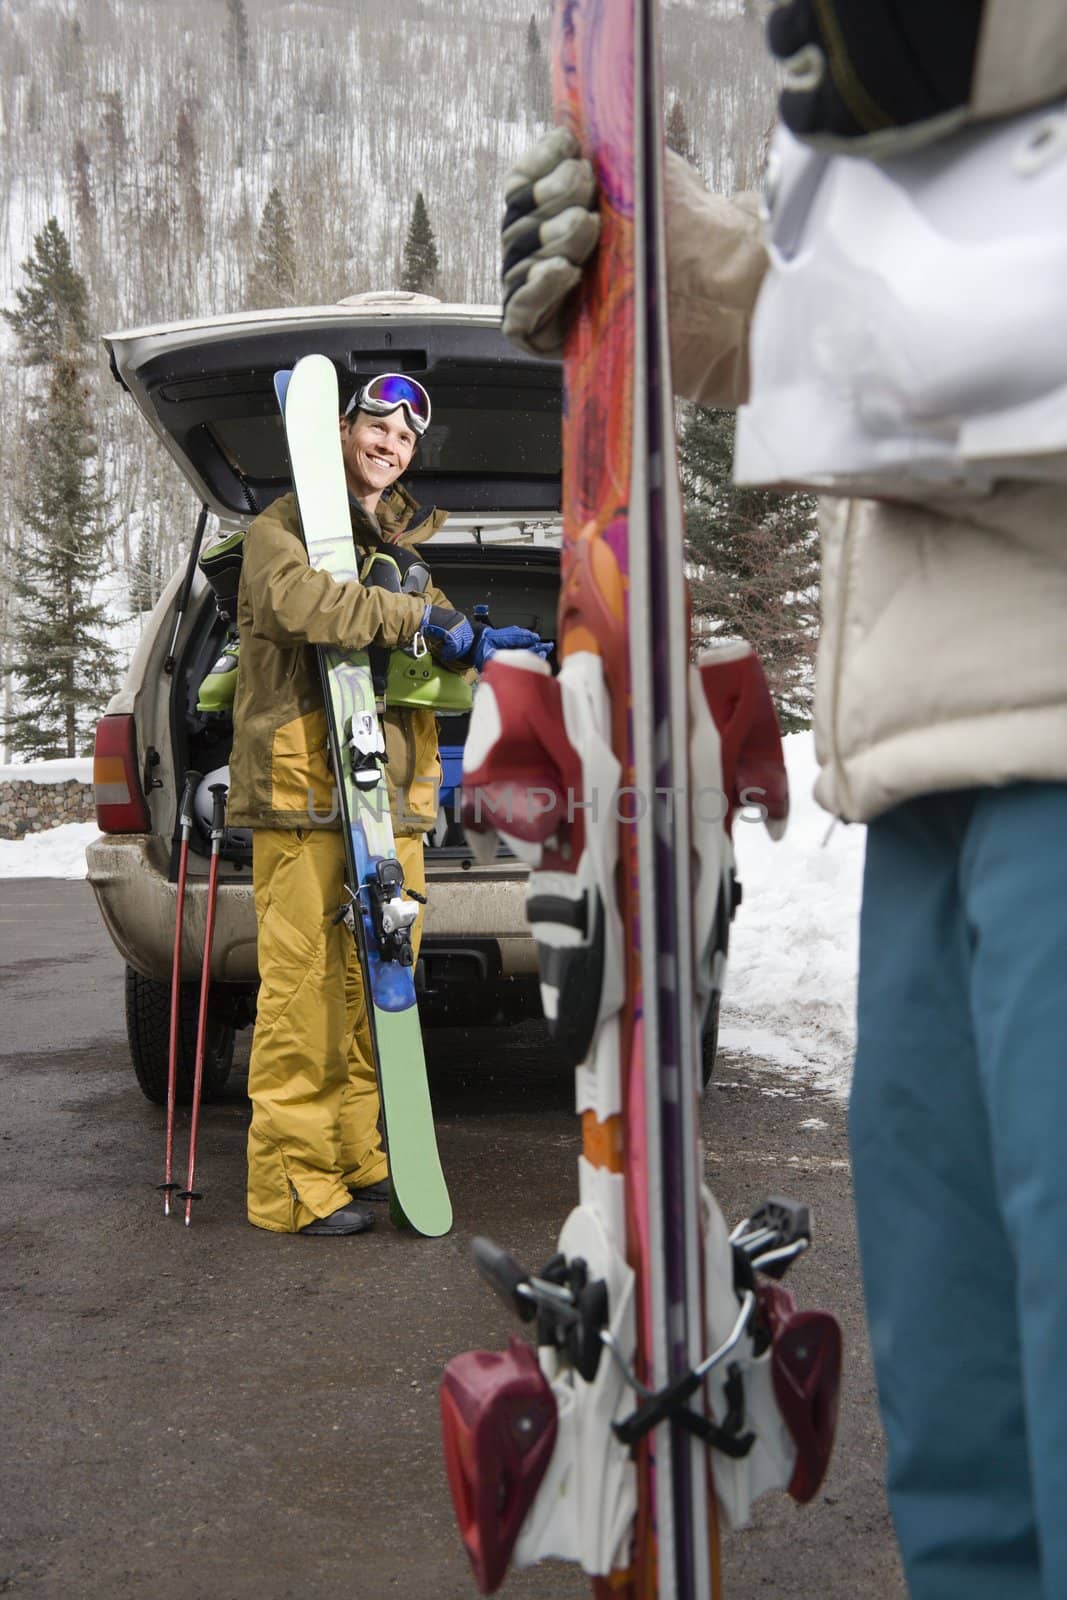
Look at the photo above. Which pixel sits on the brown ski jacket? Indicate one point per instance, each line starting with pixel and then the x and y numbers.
pixel 279 771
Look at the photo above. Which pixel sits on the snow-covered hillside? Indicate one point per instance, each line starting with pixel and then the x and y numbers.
pixel 154 131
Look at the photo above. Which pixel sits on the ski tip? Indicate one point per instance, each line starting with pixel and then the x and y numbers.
pixel 281 386
pixel 431 1221
pixel 433 1228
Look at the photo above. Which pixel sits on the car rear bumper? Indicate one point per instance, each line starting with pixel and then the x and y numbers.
pixel 128 873
pixel 469 911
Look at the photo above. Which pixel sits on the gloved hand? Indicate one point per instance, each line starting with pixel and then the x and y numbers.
pixel 448 633
pixel 550 229
pixel 490 640
pixel 856 68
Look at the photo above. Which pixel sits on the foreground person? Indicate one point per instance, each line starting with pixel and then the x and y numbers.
pixel 941 722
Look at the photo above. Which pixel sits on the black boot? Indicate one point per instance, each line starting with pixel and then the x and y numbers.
pixel 352 1218
pixel 371 1191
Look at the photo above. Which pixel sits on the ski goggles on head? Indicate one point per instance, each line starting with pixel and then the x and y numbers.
pixel 386 393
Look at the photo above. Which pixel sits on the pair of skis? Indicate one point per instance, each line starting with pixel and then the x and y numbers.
pixel 379 912
pixel 674 1379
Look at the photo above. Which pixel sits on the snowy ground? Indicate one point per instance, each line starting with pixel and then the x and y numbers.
pixel 55 853
pixel 791 992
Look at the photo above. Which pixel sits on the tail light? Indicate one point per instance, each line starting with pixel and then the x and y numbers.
pixel 120 803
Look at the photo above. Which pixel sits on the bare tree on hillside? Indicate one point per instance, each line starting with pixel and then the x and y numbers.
pixel 678 136
pixel 538 75
pixel 116 144
pixel 188 169
pixel 82 184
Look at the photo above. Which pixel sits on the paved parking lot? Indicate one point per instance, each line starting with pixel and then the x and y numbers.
pixel 219 1412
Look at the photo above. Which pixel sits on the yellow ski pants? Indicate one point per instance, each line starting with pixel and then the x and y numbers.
pixel 311 1080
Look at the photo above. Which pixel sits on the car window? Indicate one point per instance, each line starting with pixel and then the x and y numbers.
pixel 468 435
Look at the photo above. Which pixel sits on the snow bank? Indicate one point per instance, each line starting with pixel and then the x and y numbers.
pixel 78 770
pixel 791 986
pixel 54 853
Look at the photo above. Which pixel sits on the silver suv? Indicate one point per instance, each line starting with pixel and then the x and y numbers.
pixel 491 458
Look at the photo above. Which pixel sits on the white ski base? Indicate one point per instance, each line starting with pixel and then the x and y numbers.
pixel 586 1504
pixel 769 1464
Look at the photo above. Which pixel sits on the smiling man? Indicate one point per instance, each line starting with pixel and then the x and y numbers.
pixel 315 1157
pixel 376 450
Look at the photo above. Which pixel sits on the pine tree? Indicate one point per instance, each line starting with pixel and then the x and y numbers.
pixel 272 279
pixel 52 315
pixel 677 132
pixel 419 271
pixel 753 558
pixel 59 656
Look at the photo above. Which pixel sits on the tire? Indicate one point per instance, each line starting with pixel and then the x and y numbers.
pixel 148 1032
pixel 710 1041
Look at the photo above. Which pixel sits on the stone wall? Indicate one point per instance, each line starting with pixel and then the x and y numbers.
pixel 27 807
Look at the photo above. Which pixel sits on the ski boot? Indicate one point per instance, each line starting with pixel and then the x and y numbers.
pixel 409 677
pixel 909 339
pixel 218 687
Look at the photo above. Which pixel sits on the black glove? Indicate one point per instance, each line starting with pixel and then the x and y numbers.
pixel 550 230
pixel 855 68
pixel 394 568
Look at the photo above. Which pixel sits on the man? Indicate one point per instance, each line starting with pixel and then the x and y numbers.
pixel 940 721
pixel 315 1157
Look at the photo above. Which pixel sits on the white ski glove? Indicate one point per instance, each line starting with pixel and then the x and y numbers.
pixel 550 230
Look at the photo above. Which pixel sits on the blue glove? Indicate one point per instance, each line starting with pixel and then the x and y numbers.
pixel 490 640
pixel 448 633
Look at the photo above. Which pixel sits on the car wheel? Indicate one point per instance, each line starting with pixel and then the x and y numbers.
pixel 148 1032
pixel 710 1041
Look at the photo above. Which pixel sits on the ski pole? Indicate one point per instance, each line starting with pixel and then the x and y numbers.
pixel 218 815
pixel 185 815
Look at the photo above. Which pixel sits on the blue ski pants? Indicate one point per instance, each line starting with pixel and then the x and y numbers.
pixel 958 1127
